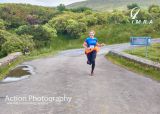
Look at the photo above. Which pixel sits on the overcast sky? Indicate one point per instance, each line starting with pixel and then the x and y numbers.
pixel 42 2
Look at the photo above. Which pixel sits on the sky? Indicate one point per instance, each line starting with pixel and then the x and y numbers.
pixel 42 2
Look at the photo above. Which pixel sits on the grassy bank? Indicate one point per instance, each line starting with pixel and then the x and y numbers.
pixel 153 52
pixel 121 33
pixel 135 67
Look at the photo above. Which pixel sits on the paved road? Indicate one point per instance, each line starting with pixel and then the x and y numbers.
pixel 113 90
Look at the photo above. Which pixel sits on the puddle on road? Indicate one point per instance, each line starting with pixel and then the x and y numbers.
pixel 19 73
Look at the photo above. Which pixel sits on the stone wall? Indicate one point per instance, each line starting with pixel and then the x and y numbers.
pixel 10 58
pixel 137 59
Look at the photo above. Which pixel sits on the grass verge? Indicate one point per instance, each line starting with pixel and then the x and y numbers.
pixel 153 52
pixel 135 67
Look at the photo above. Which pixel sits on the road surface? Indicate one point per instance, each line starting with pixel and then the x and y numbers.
pixel 113 90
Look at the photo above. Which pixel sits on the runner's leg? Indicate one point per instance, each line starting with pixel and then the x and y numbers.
pixel 89 57
pixel 94 53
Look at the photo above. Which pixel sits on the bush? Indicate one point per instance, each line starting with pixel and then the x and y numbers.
pixel 144 15
pixel 42 35
pixel 75 29
pixel 101 18
pixel 156 25
pixel 81 9
pixel 131 6
pixel 13 43
pixel 70 24
pixel 154 11
pixel 91 20
pixel 27 41
pixel 61 7
pixel 2 24
pixel 118 18
pixel 21 14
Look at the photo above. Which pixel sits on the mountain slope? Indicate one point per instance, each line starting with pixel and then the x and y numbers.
pixel 112 4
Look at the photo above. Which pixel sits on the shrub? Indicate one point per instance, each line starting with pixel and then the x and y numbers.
pixel 13 43
pixel 156 25
pixel 81 9
pixel 2 24
pixel 154 11
pixel 74 28
pixel 61 7
pixel 71 24
pixel 131 6
pixel 118 18
pixel 42 35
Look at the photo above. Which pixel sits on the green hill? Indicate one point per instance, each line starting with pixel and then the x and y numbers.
pixel 112 4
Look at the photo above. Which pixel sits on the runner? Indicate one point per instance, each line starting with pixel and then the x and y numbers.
pixel 91 46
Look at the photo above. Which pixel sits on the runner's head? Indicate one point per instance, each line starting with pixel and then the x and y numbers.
pixel 91 34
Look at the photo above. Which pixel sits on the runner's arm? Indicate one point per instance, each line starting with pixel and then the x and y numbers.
pixel 85 45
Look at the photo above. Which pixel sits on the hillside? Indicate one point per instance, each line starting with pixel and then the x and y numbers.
pixel 19 14
pixel 112 4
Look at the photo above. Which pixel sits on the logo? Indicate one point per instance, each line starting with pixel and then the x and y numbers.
pixel 134 16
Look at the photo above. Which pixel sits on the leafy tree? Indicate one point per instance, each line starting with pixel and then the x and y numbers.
pixel 131 6
pixel 42 35
pixel 12 42
pixel 61 7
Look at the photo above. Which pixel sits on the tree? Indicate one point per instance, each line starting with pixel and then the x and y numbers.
pixel 131 6
pixel 61 7
pixel 42 35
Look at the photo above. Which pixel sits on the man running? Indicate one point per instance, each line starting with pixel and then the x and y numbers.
pixel 90 44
